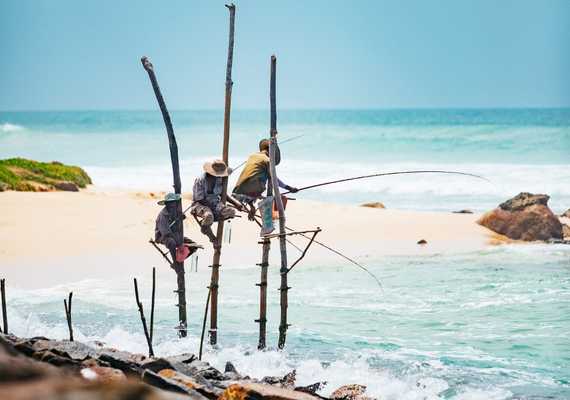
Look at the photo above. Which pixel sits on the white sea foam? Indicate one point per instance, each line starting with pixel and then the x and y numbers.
pixel 347 370
pixel 7 127
pixel 420 191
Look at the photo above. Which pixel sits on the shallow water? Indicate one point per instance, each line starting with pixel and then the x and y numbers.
pixel 492 324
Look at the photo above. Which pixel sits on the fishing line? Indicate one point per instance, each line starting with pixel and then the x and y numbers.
pixel 343 256
pixel 390 173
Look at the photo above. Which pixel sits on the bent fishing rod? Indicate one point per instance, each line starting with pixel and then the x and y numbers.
pixel 388 174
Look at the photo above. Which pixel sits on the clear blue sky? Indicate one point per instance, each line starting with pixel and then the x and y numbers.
pixel 71 54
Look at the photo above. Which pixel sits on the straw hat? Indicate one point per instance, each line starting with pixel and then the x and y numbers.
pixel 216 168
pixel 168 198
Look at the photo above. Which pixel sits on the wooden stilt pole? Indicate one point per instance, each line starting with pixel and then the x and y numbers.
pixel 178 227
pixel 215 278
pixel 67 305
pixel 143 320
pixel 204 324
pixel 152 303
pixel 4 313
pixel 263 294
pixel 278 201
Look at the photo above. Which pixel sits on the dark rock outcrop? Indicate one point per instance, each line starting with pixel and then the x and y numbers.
pixel 524 217
pixel 66 186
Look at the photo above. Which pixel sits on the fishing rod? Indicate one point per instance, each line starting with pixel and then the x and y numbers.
pixel 282 142
pixel 390 173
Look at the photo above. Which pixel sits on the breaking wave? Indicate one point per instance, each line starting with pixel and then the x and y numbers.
pixel 425 192
pixel 7 128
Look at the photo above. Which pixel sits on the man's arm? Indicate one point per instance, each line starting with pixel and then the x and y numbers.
pixel 166 236
pixel 199 189
pixel 283 185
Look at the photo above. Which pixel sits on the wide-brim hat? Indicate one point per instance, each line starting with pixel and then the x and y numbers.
pixel 168 198
pixel 216 168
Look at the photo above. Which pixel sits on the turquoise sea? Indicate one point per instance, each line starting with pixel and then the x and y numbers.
pixel 518 150
pixel 494 324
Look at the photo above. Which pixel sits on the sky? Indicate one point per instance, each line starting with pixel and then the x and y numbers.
pixel 85 55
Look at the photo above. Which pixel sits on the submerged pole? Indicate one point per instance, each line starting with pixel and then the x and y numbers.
pixel 67 305
pixel 215 278
pixel 284 288
pixel 178 227
pixel 152 302
pixel 143 320
pixel 4 312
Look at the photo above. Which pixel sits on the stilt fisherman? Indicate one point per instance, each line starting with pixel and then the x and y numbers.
pixel 253 179
pixel 180 247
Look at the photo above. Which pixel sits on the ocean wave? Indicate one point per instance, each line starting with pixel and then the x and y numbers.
pixel 418 191
pixel 7 128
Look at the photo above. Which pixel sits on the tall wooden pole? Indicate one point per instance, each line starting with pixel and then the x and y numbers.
pixel 278 201
pixel 261 344
pixel 178 227
pixel 225 155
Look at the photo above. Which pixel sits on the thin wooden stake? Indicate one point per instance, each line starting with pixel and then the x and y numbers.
pixel 4 313
pixel 278 201
pixel 215 278
pixel 178 227
pixel 152 303
pixel 143 320
pixel 67 305
pixel 204 324
pixel 261 344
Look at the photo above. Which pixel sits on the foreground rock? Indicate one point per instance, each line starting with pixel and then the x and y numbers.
pixel 524 217
pixel 61 370
pixel 566 214
pixel 34 176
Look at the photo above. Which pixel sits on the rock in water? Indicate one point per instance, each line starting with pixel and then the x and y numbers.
pixel 524 217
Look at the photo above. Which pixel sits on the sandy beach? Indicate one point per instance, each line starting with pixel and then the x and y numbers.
pixel 91 234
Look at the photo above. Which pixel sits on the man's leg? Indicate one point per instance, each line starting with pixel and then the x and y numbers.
pixel 227 212
pixel 207 216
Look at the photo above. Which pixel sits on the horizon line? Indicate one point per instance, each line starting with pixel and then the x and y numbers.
pixel 292 109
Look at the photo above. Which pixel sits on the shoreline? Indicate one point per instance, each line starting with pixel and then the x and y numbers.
pixel 100 229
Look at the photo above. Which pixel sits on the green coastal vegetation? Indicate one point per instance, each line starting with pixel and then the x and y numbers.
pixel 33 176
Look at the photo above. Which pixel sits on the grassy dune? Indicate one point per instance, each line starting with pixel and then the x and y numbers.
pixel 34 176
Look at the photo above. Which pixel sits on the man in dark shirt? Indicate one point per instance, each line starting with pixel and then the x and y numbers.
pixel 180 247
